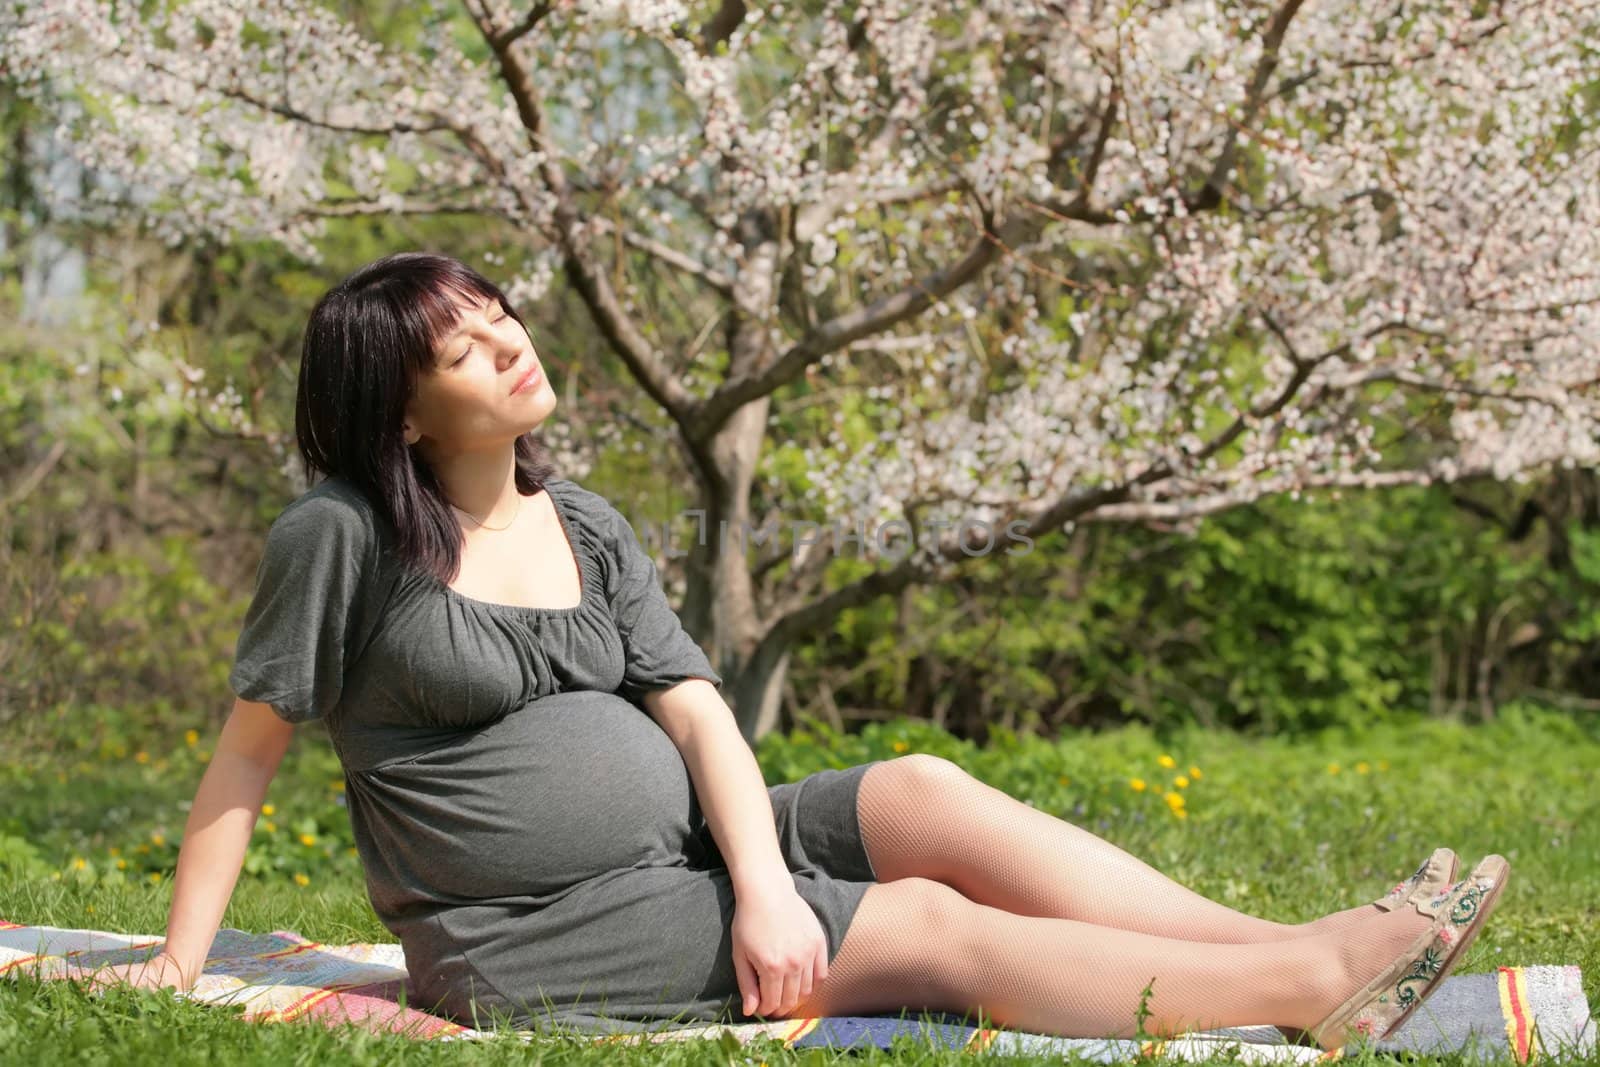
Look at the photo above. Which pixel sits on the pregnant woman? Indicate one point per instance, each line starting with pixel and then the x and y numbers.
pixel 558 817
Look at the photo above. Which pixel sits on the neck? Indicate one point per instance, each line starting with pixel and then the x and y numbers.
pixel 483 484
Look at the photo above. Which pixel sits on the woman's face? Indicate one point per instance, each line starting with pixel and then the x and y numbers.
pixel 470 399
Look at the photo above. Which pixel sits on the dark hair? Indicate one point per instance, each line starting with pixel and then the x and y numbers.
pixel 367 341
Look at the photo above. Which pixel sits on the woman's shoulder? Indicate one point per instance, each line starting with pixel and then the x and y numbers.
pixel 581 501
pixel 600 519
pixel 335 508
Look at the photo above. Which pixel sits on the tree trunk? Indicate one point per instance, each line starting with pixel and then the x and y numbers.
pixel 721 608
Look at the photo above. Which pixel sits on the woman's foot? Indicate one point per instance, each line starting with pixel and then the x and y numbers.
pixel 1424 940
pixel 1358 953
pixel 1436 872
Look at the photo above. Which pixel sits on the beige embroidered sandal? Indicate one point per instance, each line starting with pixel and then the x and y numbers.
pixel 1436 872
pixel 1459 912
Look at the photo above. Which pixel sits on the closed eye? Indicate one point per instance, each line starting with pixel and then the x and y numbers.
pixel 468 349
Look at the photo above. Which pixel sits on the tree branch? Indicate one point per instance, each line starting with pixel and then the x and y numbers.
pixel 358 208
pixel 289 111
pixel 586 273
pixel 34 477
pixel 720 26
pixel 709 415
pixel 812 217
pixel 1552 397
pixel 670 256
pixel 1210 193
pixel 509 36
pixel 1199 507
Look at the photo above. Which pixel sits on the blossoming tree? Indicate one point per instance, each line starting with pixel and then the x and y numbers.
pixel 1046 261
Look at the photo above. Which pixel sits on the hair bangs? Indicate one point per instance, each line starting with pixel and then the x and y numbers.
pixel 429 304
pixel 435 305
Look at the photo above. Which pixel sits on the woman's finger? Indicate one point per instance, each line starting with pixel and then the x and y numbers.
pixel 791 992
pixel 749 986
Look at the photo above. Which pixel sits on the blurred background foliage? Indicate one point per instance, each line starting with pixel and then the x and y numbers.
pixel 146 407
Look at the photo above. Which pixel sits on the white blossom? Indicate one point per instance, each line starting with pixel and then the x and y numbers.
pixel 1218 294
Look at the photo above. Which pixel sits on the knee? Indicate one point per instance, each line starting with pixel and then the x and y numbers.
pixel 938 909
pixel 943 921
pixel 927 775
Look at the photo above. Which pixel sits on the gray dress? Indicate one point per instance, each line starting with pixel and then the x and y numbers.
pixel 528 832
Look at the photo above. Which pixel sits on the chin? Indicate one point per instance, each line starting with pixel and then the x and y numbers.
pixel 543 414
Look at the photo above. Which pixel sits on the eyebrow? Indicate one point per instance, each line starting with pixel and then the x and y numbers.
pixel 457 332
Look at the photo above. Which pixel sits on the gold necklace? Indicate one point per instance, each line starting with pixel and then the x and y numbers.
pixel 481 526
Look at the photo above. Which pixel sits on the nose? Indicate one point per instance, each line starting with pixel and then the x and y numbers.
pixel 511 344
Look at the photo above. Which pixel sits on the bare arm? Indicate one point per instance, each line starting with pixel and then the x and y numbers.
pixel 218 831
pixel 221 820
pixel 727 781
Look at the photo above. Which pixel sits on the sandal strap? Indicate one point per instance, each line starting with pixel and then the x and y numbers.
pixel 1458 913
pixel 1435 874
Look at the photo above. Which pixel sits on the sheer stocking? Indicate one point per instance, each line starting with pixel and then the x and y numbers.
pixel 923 816
pixel 920 944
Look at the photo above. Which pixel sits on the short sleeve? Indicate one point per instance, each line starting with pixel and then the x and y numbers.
pixel 658 652
pixel 303 628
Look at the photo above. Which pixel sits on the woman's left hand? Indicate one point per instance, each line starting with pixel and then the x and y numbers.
pixel 779 950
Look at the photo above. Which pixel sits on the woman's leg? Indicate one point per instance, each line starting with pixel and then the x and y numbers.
pixel 919 944
pixel 923 816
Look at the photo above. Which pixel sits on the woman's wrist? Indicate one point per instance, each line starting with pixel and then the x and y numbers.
pixel 761 882
pixel 189 970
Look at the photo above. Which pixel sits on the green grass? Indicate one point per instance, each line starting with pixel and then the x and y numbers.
pixel 1284 829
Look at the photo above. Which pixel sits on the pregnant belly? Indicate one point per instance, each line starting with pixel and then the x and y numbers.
pixel 571 786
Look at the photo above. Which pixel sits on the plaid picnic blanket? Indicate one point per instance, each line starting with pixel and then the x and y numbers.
pixel 1528 1012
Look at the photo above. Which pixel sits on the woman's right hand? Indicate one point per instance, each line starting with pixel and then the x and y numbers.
pixel 161 971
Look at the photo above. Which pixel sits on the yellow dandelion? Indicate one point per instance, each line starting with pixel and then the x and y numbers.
pixel 141 756
pixel 79 863
pixel 157 839
pixel 268 809
pixel 1180 813
pixel 1383 765
pixel 350 852
pixel 1194 772
pixel 1333 768
pixel 1174 800
pixel 1136 784
pixel 308 839
pixel 115 851
pixel 270 827
pixel 203 754
pixel 900 746
pixel 1166 761
pixel 1363 767
pixel 300 879
pixel 89 908
pixel 338 787
pixel 155 876
pixel 122 865
pixel 191 737
pixel 1181 782
pixel 141 849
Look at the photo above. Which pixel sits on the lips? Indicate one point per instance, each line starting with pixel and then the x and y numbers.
pixel 526 379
